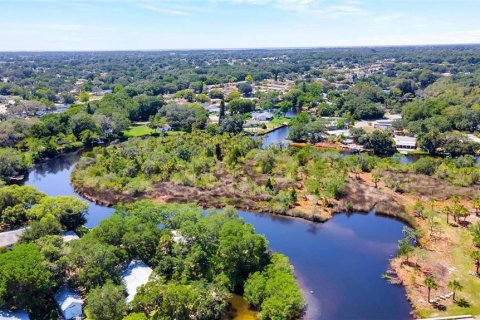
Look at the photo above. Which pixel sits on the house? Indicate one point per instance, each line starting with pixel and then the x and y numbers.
pixel 384 124
pixel 473 138
pixel 136 274
pixel 262 116
pixel 9 238
pixel 178 237
pixel 213 109
pixel 163 129
pixel 339 133
pixel 13 315
pixel 405 143
pixel 331 123
pixel 69 303
pixel 69 236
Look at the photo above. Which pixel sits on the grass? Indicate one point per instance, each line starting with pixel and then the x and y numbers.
pixel 138 131
pixel 271 125
pixel 460 258
pixel 280 121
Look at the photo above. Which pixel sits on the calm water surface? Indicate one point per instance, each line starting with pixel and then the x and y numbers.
pixel 338 263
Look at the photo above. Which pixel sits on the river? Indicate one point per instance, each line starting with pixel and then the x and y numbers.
pixel 339 263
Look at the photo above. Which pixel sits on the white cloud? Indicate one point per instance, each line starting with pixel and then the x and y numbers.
pixel 315 7
pixel 164 10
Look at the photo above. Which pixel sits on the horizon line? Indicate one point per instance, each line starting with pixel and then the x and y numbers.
pixel 246 48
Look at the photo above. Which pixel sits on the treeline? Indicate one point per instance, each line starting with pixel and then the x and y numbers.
pixel 133 167
pixel 198 259
pixel 22 205
pixel 49 77
pixel 26 141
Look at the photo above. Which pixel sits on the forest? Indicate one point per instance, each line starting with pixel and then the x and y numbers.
pixel 194 276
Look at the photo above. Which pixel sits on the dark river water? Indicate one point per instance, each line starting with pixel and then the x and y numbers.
pixel 339 263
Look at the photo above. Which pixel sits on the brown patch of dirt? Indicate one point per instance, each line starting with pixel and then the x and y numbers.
pixel 431 187
pixel 361 196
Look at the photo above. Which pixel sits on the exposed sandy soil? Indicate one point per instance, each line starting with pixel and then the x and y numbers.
pixel 442 253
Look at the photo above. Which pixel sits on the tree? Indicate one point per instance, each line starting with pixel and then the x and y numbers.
pixel 459 211
pixel 193 301
pixel 455 286
pixel 12 164
pixel 405 249
pixel 380 142
pixel 94 262
pixel 147 106
pixel 430 283
pixel 275 291
pixel 24 281
pixel 106 302
pixel 475 232
pixel 447 210
pixel 68 210
pixel 240 106
pixel 418 208
pixel 245 88
pixel 376 177
pixel 476 205
pixel 84 96
pixel 47 225
pixel 184 118
pixel 15 201
pixel 82 122
pixel 222 110
pixel 231 124
pixel 475 255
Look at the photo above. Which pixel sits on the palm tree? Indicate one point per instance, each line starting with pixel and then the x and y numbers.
pixel 475 255
pixel 431 284
pixel 447 211
pixel 418 207
pixel 375 178
pixel 475 231
pixel 476 205
pixel 455 285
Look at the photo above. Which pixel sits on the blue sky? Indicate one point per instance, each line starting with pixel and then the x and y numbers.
pixel 186 24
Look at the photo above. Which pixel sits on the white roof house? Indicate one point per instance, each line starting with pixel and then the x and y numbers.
pixel 262 116
pixel 384 124
pixel 473 138
pixel 136 274
pixel 14 315
pixel 405 143
pixel 9 238
pixel 69 303
pixel 69 236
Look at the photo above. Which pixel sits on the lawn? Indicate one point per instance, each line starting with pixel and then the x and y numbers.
pixel 138 131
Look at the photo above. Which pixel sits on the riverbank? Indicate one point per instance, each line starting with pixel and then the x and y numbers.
pixel 323 245
pixel 442 251
pixel 444 255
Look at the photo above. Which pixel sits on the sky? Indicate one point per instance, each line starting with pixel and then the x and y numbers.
pixel 69 25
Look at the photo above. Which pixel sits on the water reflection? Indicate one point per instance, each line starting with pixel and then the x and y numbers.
pixel 338 263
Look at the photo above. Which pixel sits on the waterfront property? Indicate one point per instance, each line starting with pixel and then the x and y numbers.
pixel 136 274
pixel 405 143
pixel 262 116
pixel 9 238
pixel 14 315
pixel 69 303
pixel 384 124
pixel 69 236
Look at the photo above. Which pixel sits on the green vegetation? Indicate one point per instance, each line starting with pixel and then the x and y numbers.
pixel 20 205
pixel 138 131
pixel 199 261
pixel 274 291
